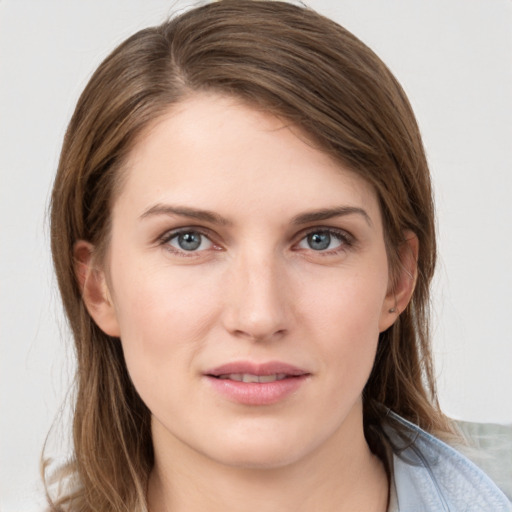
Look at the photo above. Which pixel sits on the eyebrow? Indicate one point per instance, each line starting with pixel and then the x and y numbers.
pixel 329 213
pixel 215 218
pixel 184 211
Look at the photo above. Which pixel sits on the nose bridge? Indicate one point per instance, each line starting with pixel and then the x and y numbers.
pixel 256 305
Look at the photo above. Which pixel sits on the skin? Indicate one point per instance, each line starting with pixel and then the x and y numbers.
pixel 254 290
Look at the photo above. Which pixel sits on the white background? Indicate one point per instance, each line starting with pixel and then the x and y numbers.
pixel 454 59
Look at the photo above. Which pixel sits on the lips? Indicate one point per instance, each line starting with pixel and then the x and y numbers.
pixel 257 369
pixel 256 384
pixel 249 377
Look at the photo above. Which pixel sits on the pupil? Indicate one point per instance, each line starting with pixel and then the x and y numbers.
pixel 189 241
pixel 319 241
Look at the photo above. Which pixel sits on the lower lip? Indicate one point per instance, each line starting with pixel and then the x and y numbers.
pixel 257 393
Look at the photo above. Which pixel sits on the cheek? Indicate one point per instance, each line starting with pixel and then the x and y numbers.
pixel 347 302
pixel 161 314
pixel 164 318
pixel 163 328
pixel 344 318
pixel 156 302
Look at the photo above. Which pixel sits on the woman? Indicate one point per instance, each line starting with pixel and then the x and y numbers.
pixel 243 234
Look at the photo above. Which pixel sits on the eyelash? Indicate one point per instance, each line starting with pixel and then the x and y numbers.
pixel 346 240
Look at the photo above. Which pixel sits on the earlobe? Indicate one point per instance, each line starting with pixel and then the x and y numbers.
pixel 95 292
pixel 404 281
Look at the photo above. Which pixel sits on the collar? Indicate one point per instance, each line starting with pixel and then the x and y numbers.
pixel 430 476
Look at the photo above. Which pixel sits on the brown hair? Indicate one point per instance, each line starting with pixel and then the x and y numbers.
pixel 289 61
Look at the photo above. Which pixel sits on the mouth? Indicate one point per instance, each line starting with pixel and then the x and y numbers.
pixel 248 377
pixel 256 384
pixel 246 371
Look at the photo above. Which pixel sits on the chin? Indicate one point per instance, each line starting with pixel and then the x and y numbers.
pixel 259 459
pixel 262 450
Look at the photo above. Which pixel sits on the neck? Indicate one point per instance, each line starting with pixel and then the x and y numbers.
pixel 342 475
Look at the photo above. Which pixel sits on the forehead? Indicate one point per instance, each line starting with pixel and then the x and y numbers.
pixel 219 152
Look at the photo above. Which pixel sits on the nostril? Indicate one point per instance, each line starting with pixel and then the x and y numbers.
pixel 259 336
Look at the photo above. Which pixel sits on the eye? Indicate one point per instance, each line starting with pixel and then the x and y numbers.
pixel 324 240
pixel 188 241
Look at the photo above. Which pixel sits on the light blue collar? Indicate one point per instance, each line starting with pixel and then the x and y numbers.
pixel 430 476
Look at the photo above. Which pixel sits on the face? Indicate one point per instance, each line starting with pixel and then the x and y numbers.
pixel 247 279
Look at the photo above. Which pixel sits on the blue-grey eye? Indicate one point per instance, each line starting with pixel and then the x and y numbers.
pixel 322 240
pixel 319 241
pixel 190 241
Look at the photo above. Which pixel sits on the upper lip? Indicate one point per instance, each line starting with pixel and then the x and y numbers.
pixel 260 369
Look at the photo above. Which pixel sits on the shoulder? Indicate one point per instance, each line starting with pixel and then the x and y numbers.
pixel 430 476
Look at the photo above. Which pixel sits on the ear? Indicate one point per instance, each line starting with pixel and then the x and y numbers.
pixel 94 288
pixel 402 283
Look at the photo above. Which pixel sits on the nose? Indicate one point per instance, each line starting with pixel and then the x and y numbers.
pixel 257 306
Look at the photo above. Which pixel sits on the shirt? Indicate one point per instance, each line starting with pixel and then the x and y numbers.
pixel 431 476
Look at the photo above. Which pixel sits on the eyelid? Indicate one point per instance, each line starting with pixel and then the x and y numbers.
pixel 171 233
pixel 339 232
